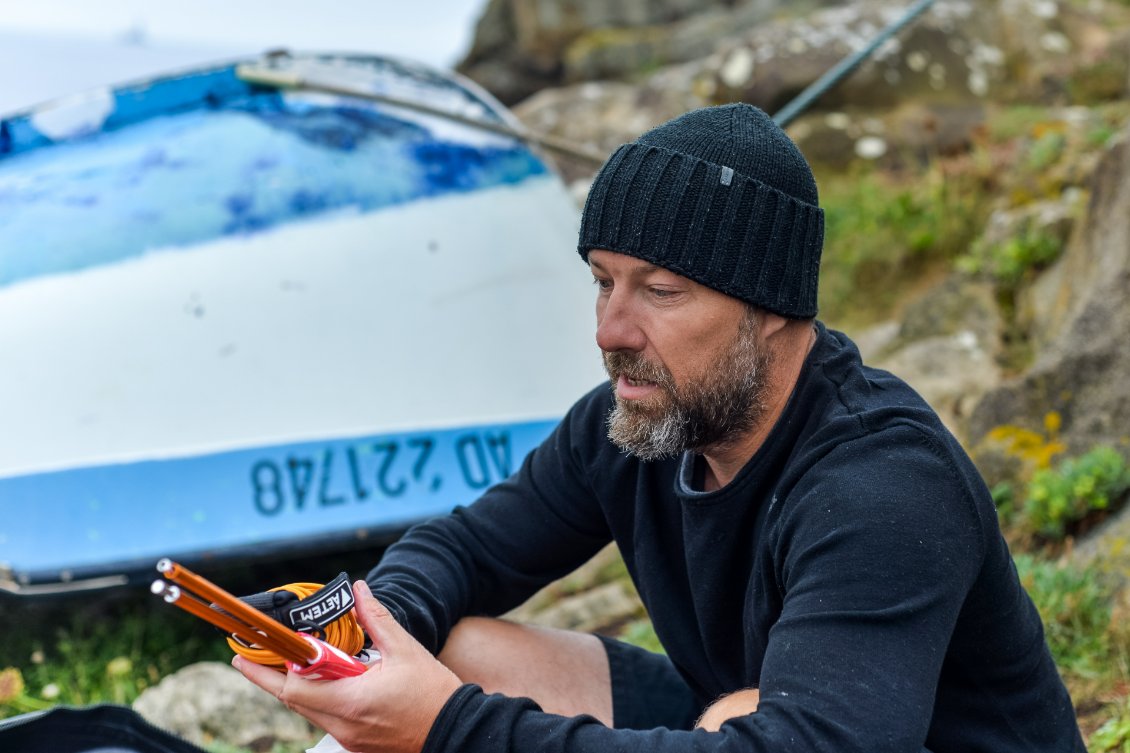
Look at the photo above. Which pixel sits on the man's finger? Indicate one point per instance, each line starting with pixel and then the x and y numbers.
pixel 296 693
pixel 267 679
pixel 276 683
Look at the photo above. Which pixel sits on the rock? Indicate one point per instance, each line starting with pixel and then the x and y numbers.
pixel 212 702
pixel 828 139
pixel 602 116
pixel 532 39
pixel 621 53
pixel 1107 548
pixel 1066 52
pixel 948 54
pixel 920 94
pixel 597 597
pixel 1039 305
pixel 949 371
pixel 945 347
pixel 957 51
pixel 1052 217
pixel 1081 373
pixel 592 610
pixel 911 133
pixel 506 79
pixel 956 306
pixel 928 129
pixel 875 340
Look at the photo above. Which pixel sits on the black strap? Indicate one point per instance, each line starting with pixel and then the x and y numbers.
pixel 313 614
pixel 328 604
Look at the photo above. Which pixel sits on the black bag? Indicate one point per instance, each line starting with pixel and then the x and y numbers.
pixel 95 729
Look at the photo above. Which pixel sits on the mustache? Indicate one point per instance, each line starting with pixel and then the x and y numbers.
pixel 635 366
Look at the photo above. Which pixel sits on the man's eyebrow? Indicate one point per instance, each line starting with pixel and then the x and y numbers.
pixel 646 269
pixel 649 269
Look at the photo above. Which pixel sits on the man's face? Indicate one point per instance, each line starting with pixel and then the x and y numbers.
pixel 686 361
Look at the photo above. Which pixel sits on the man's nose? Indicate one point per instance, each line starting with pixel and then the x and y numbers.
pixel 617 328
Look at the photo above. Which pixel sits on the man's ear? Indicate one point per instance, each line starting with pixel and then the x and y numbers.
pixel 771 323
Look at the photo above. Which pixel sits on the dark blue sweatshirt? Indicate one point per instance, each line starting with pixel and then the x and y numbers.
pixel 853 571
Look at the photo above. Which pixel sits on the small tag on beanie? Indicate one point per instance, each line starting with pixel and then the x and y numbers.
pixel 727 175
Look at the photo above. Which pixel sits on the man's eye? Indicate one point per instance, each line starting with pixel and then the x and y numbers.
pixel 662 292
pixel 602 284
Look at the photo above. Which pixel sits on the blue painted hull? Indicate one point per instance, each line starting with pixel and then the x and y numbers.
pixel 236 320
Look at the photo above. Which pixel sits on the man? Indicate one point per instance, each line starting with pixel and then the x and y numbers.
pixel 820 559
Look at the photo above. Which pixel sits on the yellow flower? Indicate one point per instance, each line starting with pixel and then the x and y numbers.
pixel 1052 423
pixel 11 684
pixel 119 666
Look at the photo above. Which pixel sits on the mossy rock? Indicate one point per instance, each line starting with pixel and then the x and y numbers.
pixel 957 304
pixel 615 53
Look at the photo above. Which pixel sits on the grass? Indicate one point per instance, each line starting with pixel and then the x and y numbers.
pixel 886 231
pixel 1075 606
pixel 1114 735
pixel 110 646
pixel 84 653
pixel 1090 642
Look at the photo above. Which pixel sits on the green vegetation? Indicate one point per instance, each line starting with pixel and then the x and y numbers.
pixel 100 654
pixel 883 232
pixel 886 230
pixel 1051 495
pixel 1101 81
pixel 1058 497
pixel 1015 122
pixel 1076 610
pixel 1010 262
pixel 106 653
pixel 1090 645
pixel 1046 150
pixel 1114 735
pixel 892 230
pixel 1051 499
pixel 641 633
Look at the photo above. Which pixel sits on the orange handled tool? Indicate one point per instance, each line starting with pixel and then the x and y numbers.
pixel 305 655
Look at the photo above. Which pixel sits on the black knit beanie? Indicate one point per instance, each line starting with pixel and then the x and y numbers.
pixel 720 195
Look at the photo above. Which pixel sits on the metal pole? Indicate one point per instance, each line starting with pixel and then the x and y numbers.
pixel 266 76
pixel 800 103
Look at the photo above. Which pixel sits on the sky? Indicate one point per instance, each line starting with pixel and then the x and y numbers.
pixel 53 48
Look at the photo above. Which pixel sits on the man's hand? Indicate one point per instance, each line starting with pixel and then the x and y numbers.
pixel 388 709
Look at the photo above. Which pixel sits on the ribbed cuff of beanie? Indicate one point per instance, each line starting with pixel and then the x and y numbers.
pixel 707 222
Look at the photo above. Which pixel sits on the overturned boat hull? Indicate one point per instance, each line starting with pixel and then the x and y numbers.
pixel 237 320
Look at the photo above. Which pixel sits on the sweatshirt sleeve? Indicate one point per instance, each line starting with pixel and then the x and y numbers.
pixel 876 552
pixel 875 555
pixel 476 722
pixel 486 558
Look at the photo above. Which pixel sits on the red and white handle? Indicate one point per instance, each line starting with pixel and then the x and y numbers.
pixel 331 663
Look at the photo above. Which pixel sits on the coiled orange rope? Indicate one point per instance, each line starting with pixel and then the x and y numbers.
pixel 343 633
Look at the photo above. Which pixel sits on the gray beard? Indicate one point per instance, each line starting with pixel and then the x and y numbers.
pixel 712 413
pixel 648 438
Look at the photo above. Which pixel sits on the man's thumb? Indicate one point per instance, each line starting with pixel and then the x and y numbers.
pixel 377 622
